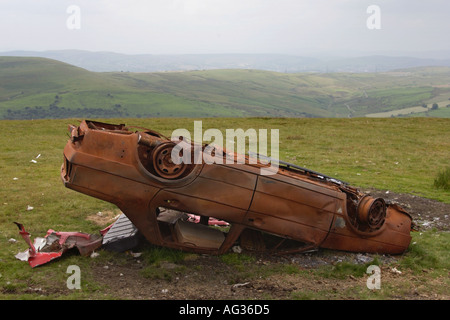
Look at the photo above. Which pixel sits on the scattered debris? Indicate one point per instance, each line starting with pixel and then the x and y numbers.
pixel 54 244
pixel 211 221
pixel 136 254
pixel 120 236
pixel 395 270
pixel 237 249
pixel 363 258
pixel 237 285
pixel 37 157
pixel 29 208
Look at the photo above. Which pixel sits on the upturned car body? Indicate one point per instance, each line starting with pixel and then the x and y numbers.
pixel 291 210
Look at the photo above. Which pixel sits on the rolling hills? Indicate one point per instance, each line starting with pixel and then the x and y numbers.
pixel 33 88
pixel 103 61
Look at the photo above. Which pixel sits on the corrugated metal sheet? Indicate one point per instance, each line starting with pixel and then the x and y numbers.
pixel 121 231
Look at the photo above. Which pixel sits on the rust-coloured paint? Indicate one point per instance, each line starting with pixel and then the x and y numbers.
pixel 289 211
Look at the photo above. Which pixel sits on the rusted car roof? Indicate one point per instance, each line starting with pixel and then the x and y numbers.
pixel 292 210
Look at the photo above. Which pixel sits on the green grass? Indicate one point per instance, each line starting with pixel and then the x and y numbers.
pixel 156 255
pixel 343 270
pixel 401 155
pixel 237 260
pixel 428 251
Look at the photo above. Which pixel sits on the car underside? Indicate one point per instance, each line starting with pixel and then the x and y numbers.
pixel 211 207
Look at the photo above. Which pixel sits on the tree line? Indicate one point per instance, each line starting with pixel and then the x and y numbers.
pixel 55 112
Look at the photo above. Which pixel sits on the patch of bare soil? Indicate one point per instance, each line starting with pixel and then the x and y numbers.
pixel 426 213
pixel 102 218
pixel 207 277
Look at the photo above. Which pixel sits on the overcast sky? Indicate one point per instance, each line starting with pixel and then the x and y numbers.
pixel 299 27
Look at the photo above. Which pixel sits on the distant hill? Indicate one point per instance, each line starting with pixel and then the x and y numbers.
pixel 32 88
pixel 110 62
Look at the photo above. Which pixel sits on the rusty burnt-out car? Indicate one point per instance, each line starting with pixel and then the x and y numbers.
pixel 292 210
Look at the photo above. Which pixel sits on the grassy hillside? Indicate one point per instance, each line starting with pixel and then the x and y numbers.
pixel 33 88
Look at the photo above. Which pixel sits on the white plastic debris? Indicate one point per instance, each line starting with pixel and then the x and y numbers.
pixel 39 243
pixel 136 254
pixel 94 254
pixel 15 178
pixel 29 208
pixel 237 285
pixel 37 157
pixel 395 270
pixel 12 240
pixel 237 249
pixel 34 161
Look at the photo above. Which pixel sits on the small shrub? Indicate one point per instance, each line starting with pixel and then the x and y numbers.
pixel 442 180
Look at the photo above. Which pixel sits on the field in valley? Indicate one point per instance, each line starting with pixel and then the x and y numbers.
pixel 37 88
